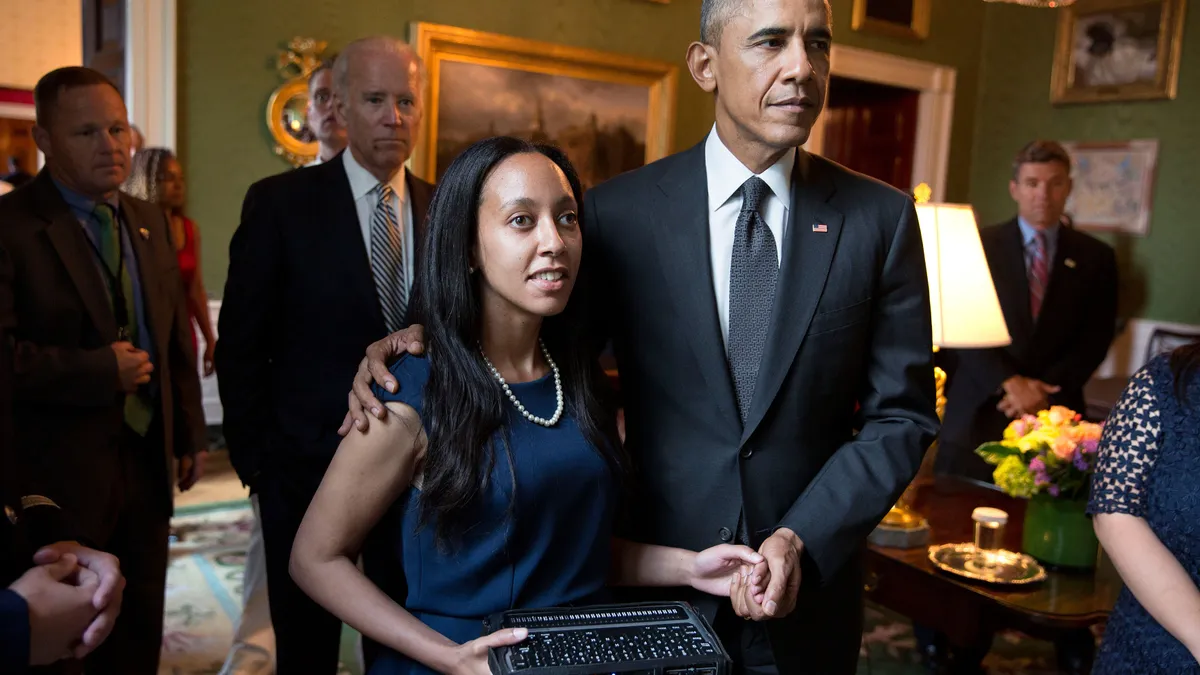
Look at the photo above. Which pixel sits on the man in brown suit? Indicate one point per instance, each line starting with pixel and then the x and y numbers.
pixel 106 392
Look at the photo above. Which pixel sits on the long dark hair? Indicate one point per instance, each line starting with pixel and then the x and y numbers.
pixel 1184 362
pixel 464 407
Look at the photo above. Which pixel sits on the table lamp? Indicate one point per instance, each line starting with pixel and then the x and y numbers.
pixel 966 315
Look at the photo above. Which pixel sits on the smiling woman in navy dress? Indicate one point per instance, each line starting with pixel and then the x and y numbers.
pixel 496 476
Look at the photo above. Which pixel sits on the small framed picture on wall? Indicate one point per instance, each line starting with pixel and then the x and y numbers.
pixel 1117 50
pixel 907 19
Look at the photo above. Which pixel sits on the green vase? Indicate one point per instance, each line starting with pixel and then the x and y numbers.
pixel 1059 533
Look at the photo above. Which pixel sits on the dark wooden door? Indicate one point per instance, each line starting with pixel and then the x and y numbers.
pixel 872 128
pixel 104 38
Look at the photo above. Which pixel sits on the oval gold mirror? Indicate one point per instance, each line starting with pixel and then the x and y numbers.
pixel 287 109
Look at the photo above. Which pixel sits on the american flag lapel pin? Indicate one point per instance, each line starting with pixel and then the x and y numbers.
pixel 820 227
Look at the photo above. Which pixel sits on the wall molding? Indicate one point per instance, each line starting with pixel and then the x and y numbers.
pixel 935 106
pixel 150 69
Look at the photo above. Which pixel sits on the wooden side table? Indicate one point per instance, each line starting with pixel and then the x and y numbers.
pixel 1062 608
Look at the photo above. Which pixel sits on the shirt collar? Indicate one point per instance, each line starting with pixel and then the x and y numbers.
pixel 362 182
pixel 726 173
pixel 1029 232
pixel 82 203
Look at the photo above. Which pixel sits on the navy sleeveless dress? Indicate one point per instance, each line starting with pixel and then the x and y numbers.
pixel 545 544
pixel 1149 466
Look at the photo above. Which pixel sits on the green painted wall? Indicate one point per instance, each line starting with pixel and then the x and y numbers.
pixel 1159 272
pixel 227 50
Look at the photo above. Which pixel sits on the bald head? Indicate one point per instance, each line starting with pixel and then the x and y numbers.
pixel 359 53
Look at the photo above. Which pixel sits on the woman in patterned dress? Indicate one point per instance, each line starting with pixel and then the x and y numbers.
pixel 1146 502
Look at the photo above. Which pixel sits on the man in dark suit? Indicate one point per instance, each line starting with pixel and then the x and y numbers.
pixel 320 267
pixel 1058 290
pixel 107 394
pixel 769 312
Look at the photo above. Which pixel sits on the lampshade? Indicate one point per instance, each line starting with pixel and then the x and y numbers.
pixel 966 311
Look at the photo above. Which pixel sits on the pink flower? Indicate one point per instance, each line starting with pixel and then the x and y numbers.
pixel 1053 490
pixel 1090 446
pixel 1037 464
pixel 1020 427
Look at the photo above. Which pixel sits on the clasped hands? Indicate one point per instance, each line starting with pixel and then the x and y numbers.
pixel 74 596
pixel 1025 396
pixel 768 589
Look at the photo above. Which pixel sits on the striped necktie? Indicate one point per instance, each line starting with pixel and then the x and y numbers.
pixel 1039 274
pixel 387 259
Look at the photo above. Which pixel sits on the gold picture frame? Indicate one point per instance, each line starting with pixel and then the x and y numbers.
pixel 906 19
pixel 1118 50
pixel 527 77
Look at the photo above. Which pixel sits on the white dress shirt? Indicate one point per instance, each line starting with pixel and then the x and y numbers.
pixel 362 187
pixel 725 177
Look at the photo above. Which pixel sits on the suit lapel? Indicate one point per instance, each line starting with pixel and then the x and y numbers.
pixel 681 215
pixel 71 244
pixel 1012 286
pixel 807 256
pixel 345 235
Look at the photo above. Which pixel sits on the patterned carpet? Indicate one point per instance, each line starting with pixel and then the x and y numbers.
pixel 204 595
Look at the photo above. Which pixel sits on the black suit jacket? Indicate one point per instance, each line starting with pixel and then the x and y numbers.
pixel 850 326
pixel 68 408
pixel 1064 347
pixel 299 310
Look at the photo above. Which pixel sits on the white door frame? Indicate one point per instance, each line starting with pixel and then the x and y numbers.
pixel 935 106
pixel 150 46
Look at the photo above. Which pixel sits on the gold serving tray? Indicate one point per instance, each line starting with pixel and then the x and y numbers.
pixel 1009 568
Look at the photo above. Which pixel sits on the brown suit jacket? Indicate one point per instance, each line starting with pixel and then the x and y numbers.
pixel 68 405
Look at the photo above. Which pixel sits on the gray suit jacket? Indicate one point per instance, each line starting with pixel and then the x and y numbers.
pixel 68 407
pixel 843 409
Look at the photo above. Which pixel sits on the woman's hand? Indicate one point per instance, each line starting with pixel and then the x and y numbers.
pixel 471 658
pixel 713 568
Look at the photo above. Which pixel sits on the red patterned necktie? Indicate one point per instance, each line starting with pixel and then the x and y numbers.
pixel 1039 274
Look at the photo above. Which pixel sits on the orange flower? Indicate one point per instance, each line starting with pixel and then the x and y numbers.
pixel 1063 447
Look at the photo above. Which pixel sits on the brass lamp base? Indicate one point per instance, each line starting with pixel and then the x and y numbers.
pixel 914 535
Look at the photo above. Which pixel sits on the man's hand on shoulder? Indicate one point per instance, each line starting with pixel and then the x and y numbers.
pixel 374 368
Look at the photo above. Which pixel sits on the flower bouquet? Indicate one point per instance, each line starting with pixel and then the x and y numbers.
pixel 1052 452
pixel 1049 458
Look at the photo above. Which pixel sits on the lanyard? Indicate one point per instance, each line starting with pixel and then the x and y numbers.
pixel 115 287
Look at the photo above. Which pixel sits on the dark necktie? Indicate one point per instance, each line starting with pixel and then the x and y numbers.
pixel 752 276
pixel 139 411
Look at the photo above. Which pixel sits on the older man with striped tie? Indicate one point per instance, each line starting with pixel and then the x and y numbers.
pixel 321 266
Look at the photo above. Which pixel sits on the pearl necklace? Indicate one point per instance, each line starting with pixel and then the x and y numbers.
pixel 517 404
